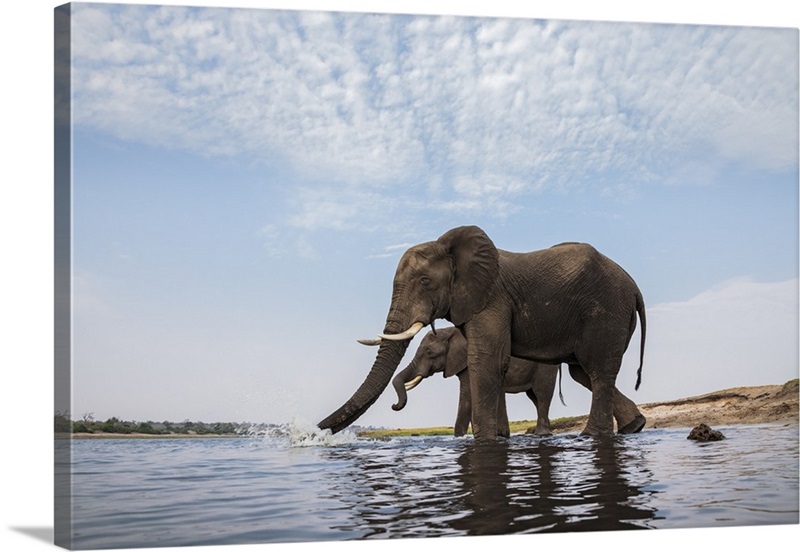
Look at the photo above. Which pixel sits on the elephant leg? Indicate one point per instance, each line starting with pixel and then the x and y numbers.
pixel 625 411
pixel 601 411
pixel 599 379
pixel 629 419
pixel 464 414
pixel 487 359
pixel 542 414
pixel 503 429
pixel 485 390
pixel 578 374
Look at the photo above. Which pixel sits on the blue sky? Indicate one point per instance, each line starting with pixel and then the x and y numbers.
pixel 245 182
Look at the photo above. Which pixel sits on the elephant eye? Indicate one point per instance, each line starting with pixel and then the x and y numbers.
pixel 425 281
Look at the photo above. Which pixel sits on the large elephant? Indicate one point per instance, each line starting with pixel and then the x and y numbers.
pixel 446 351
pixel 565 304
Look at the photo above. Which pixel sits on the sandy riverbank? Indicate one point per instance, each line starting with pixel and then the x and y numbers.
pixel 738 405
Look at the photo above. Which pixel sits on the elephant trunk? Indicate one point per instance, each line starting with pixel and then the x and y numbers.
pixel 387 360
pixel 399 383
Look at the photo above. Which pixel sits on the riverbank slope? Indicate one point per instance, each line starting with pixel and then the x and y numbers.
pixel 737 405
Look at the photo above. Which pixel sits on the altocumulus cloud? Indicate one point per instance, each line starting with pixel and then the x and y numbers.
pixel 486 109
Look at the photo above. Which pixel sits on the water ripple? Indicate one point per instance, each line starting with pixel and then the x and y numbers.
pixel 295 484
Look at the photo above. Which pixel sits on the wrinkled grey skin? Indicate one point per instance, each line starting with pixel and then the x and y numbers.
pixel 446 351
pixel 565 304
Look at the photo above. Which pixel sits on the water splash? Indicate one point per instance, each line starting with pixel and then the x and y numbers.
pixel 306 434
pixel 297 434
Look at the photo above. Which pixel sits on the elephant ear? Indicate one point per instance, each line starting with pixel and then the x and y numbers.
pixel 476 263
pixel 456 354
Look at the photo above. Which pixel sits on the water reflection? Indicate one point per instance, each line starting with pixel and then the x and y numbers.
pixel 527 484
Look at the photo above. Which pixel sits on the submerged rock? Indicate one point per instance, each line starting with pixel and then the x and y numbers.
pixel 704 433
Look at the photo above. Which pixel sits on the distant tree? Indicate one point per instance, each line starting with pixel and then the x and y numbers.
pixel 115 425
pixel 61 423
pixel 202 429
pixel 224 428
pixel 81 427
pixel 146 427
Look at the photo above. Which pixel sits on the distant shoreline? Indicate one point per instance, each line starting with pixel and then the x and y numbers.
pixel 103 435
pixel 734 406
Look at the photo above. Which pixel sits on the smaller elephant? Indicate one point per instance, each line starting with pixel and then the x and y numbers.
pixel 446 351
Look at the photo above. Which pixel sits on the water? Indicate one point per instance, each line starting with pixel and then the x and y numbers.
pixel 301 485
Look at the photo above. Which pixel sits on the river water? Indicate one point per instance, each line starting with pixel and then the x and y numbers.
pixel 296 484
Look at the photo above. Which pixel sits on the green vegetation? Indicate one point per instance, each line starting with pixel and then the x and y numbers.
pixel 88 425
pixel 520 426
pixel 417 432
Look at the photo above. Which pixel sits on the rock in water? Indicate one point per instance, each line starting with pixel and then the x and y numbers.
pixel 704 433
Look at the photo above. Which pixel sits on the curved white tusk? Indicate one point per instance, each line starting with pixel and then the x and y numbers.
pixel 370 342
pixel 409 385
pixel 408 334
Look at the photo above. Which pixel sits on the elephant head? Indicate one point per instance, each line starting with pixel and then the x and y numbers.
pixel 442 351
pixel 448 278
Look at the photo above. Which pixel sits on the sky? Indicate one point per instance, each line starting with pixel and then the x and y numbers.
pixel 246 180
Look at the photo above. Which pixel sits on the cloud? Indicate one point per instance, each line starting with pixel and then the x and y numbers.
pixel 395 250
pixel 468 114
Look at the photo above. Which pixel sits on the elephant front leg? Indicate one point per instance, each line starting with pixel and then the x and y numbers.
pixel 464 413
pixel 485 390
pixel 503 428
pixel 487 358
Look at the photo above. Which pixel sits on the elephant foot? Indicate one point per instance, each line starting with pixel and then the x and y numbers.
pixel 595 430
pixel 542 431
pixel 634 426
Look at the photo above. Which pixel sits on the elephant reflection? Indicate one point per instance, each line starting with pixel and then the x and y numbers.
pixel 534 490
pixel 527 485
pixel 445 351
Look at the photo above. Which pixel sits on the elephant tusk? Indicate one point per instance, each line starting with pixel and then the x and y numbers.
pixel 409 385
pixel 408 334
pixel 370 342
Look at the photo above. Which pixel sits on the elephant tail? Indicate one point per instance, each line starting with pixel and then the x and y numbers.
pixel 560 395
pixel 643 318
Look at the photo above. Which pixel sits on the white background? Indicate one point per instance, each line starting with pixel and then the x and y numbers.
pixel 26 283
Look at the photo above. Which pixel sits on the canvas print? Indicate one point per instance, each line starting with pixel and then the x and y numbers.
pixel 327 276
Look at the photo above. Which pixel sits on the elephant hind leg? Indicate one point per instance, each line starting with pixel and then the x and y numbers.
pixel 542 420
pixel 629 418
pixel 627 415
pixel 602 375
pixel 635 426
